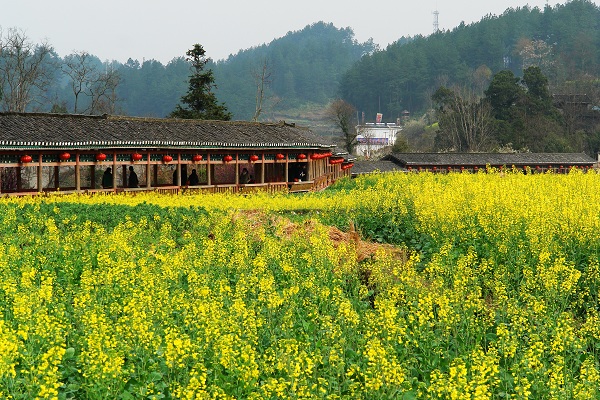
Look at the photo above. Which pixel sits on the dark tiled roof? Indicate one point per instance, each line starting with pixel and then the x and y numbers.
pixel 78 131
pixel 367 167
pixel 494 159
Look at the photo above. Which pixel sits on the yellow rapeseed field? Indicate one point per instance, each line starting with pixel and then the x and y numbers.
pixel 485 286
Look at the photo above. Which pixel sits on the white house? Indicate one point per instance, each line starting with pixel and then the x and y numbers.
pixel 372 137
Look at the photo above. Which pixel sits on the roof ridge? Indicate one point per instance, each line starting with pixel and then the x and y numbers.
pixel 52 115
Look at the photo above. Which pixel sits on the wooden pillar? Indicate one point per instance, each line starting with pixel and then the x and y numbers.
pixel 155 174
pixel 148 170
pixel 40 181
pixel 178 169
pixel 287 168
pixel 208 170
pixel 237 170
pixel 262 169
pixel 77 173
pixel 114 170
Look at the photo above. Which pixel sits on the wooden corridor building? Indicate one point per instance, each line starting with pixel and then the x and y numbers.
pixel 70 153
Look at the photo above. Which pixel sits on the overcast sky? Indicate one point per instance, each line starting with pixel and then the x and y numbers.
pixel 165 29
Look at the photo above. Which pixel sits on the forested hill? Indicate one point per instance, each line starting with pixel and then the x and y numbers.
pixel 564 41
pixel 302 67
pixel 321 62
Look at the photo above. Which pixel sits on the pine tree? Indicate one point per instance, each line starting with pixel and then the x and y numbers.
pixel 200 102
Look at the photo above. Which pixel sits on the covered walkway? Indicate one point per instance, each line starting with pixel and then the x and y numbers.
pixel 74 153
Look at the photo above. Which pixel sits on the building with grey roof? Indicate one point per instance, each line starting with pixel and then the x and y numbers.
pixel 50 152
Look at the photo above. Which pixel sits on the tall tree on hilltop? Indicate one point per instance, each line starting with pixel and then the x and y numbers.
pixel 200 102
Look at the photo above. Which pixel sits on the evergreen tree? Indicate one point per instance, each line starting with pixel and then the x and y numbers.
pixel 200 101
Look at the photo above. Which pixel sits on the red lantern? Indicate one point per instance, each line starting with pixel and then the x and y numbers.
pixel 167 158
pixel 279 156
pixel 136 156
pixel 253 157
pixel 316 156
pixel 301 156
pixel 227 158
pixel 26 159
pixel 197 158
pixel 100 157
pixel 64 156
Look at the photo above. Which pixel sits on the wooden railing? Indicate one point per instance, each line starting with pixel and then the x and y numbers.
pixel 272 187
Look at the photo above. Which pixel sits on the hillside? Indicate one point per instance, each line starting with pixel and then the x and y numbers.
pixel 300 68
pixel 564 41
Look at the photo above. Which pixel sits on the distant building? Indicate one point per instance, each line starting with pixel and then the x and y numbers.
pixel 372 137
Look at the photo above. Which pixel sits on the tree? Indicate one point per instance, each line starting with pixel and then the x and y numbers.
pixel 200 102
pixel 103 91
pixel 262 79
pixel 465 121
pixel 342 114
pixel 503 93
pixel 89 79
pixel 537 88
pixel 25 70
pixel 77 66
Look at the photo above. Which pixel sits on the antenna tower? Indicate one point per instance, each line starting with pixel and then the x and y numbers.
pixel 436 25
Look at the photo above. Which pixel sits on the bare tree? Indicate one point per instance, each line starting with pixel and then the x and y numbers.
pixel 104 92
pixel 342 114
pixel 88 80
pixel 481 78
pixel 262 79
pixel 25 70
pixel 78 67
pixel 465 120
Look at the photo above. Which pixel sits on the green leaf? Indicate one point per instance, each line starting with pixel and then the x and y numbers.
pixel 155 376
